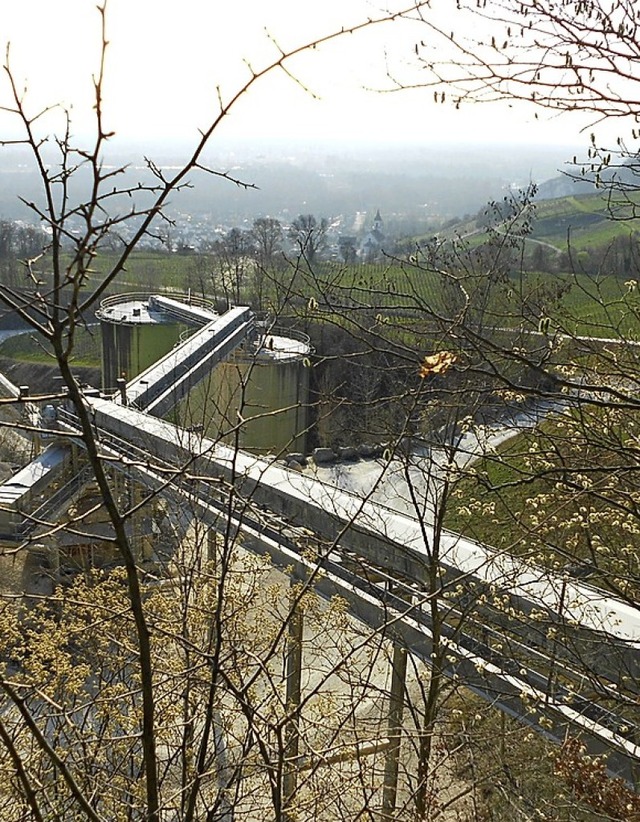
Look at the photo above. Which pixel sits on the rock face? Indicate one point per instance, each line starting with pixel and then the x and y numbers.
pixel 327 456
pixel 323 455
pixel 296 457
pixel 348 454
pixel 41 378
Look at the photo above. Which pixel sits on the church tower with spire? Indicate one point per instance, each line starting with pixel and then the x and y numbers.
pixel 378 225
pixel 373 242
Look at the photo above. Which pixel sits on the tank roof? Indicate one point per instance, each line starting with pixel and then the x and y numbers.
pixel 280 346
pixel 131 312
pixel 159 309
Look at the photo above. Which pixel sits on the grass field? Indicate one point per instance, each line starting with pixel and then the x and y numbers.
pixel 512 504
pixel 599 306
pixel 30 348
pixel 148 271
pixel 584 219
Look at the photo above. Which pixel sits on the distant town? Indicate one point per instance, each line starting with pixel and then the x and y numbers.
pixel 415 190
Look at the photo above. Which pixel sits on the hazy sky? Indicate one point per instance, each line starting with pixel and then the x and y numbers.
pixel 166 59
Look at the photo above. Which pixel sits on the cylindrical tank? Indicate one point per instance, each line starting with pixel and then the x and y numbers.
pixel 258 397
pixel 135 335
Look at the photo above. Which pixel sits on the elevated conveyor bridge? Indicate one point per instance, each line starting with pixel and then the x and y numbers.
pixel 162 386
pixel 519 636
pixel 29 497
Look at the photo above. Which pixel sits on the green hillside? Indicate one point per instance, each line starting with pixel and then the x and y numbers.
pixel 590 220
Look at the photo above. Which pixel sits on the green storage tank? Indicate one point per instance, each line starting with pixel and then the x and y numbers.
pixel 257 399
pixel 135 335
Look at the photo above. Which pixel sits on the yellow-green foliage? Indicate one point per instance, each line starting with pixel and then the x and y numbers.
pixel 565 495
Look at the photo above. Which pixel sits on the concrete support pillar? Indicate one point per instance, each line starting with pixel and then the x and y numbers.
pixel 53 554
pixel 122 389
pixel 394 724
pixel 293 697
pixel 131 493
pixel 212 548
pixel 76 461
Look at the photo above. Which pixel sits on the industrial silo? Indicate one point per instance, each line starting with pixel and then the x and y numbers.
pixel 136 333
pixel 258 397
